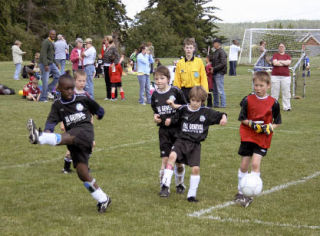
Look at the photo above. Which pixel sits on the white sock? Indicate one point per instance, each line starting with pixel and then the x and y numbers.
pixel 99 195
pixel 50 138
pixel 194 183
pixel 179 177
pixel 240 176
pixel 255 173
pixel 161 173
pixel 166 180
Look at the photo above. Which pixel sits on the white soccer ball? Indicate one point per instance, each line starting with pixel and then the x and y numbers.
pixel 251 185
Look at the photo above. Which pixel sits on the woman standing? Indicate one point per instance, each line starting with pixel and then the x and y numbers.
pixel 17 58
pixel 75 57
pixel 111 57
pixel 144 60
pixel 280 77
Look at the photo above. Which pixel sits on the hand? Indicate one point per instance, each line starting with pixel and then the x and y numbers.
pixel 267 129
pixel 170 102
pixel 211 69
pixel 156 118
pixel 223 120
pixel 256 127
pixel 46 68
pixel 167 122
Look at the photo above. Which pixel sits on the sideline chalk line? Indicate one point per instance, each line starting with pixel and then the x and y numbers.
pixel 272 190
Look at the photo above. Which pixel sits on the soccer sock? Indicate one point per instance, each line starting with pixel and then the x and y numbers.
pixel 255 173
pixel 179 176
pixel 194 183
pixel 52 139
pixel 122 95
pixel 67 163
pixel 240 176
pixel 113 95
pixel 96 193
pixel 161 173
pixel 166 180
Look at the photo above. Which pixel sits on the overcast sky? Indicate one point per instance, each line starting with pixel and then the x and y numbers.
pixel 251 10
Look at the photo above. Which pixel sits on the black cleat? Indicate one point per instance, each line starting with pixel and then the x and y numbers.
pixel 33 132
pixel 102 206
pixel 238 198
pixel 192 199
pixel 247 201
pixel 164 192
pixel 180 189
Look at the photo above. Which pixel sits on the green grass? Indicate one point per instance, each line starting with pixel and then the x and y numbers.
pixel 36 199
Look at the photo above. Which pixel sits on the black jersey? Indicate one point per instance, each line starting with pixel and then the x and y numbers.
pixel 74 113
pixel 194 124
pixel 159 102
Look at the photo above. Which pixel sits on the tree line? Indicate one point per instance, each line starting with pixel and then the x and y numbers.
pixel 165 23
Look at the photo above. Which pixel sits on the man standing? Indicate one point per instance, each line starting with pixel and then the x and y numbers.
pixel 48 66
pixel 89 58
pixel 233 57
pixel 61 49
pixel 190 71
pixel 219 69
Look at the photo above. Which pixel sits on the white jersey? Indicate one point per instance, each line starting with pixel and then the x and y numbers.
pixel 233 52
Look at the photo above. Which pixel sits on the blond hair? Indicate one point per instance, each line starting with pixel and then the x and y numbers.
pixel 198 93
pixel 262 76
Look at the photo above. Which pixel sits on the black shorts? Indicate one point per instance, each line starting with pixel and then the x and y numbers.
pixel 82 148
pixel 248 148
pixel 116 85
pixel 167 137
pixel 187 152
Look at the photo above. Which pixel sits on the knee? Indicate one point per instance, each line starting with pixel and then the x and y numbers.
pixel 255 167
pixel 195 170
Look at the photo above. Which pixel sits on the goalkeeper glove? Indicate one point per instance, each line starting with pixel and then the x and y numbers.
pixel 256 127
pixel 267 129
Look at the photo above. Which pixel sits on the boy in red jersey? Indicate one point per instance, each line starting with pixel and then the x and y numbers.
pixel 115 73
pixel 259 115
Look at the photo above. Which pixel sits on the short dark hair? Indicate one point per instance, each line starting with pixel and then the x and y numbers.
pixel 163 70
pixel 65 76
pixel 262 76
pixel 198 93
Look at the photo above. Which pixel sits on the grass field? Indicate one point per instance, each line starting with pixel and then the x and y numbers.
pixel 37 199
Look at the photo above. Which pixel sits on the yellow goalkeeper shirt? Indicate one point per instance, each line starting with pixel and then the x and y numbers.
pixel 190 73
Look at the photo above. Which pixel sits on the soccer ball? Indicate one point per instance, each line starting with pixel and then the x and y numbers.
pixel 251 185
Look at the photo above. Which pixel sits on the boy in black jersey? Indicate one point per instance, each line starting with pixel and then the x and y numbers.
pixel 194 120
pixel 162 111
pixel 75 113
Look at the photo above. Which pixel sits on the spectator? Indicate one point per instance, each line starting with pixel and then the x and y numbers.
pixel 264 61
pixel 17 58
pixel 233 57
pixel 61 50
pixel 48 66
pixel 150 48
pixel 33 93
pixel 75 57
pixel 89 58
pixel 133 59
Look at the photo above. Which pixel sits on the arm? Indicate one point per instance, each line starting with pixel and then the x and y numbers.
pixel 74 57
pixel 53 119
pixel 173 105
pixel 203 78
pixel 177 76
pixel 223 61
pixel 44 52
pixel 95 108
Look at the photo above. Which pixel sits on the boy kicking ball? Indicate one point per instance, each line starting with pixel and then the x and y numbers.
pixel 75 112
pixel 194 120
pixel 259 116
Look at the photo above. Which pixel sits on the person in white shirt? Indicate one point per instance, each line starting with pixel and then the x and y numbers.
pixel 233 57
pixel 17 58
pixel 89 58
pixel 61 50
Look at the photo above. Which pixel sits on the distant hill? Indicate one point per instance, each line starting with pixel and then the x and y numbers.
pixel 236 30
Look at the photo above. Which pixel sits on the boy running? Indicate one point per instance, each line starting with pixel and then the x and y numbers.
pixel 259 116
pixel 194 120
pixel 75 113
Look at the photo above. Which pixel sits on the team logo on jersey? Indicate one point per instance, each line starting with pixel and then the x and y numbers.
pixel 172 98
pixel 202 118
pixel 79 107
pixel 196 74
pixel 185 117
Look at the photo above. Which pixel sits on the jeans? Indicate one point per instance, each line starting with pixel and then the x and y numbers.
pixel 90 69
pixel 62 63
pixel 53 69
pixel 284 83
pixel 144 82
pixel 233 68
pixel 218 90
pixel 17 71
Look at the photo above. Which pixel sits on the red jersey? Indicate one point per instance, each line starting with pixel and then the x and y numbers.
pixel 209 76
pixel 115 77
pixel 281 70
pixel 33 91
pixel 258 109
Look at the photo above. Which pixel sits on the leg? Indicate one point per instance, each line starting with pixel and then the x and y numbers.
pixel 89 85
pixel 44 78
pixel 256 162
pixel 194 183
pixel 286 94
pixel 142 87
pixel 106 80
pixel 215 92
pixel 63 65
pixel 67 163
pixel 220 87
pixel 113 89
pixel 56 74
pixel 168 172
pixel 275 87
pixel 164 162
pixel 179 172
pixel 17 71
pixel 147 89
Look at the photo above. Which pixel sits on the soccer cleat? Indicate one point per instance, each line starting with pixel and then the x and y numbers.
pixel 192 199
pixel 238 198
pixel 247 201
pixel 164 192
pixel 180 189
pixel 66 171
pixel 33 132
pixel 102 206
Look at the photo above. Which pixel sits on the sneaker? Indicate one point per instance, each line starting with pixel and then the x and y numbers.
pixel 50 96
pixel 114 99
pixel 164 192
pixel 102 206
pixel 192 199
pixel 180 189
pixel 238 198
pixel 33 132
pixel 66 171
pixel 247 201
pixel 106 99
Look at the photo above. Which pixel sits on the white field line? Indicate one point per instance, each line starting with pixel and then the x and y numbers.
pixel 217 218
pixel 272 190
pixel 60 158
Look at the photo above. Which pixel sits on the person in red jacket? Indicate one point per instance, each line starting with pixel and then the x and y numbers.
pixel 75 57
pixel 259 115
pixel 115 73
